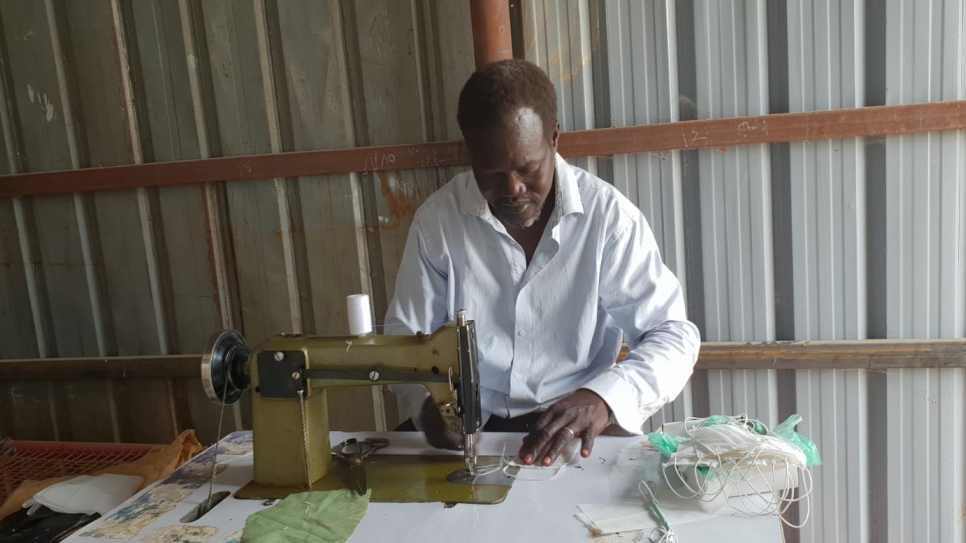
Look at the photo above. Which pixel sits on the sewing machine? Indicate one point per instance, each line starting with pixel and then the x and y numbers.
pixel 289 375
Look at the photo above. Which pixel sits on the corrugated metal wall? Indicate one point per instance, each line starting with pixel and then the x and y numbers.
pixel 809 241
pixel 817 240
pixel 155 271
pixel 925 218
pixel 826 187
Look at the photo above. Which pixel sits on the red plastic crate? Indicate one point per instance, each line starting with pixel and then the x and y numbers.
pixel 37 460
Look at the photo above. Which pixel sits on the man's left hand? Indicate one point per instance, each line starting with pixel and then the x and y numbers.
pixel 583 414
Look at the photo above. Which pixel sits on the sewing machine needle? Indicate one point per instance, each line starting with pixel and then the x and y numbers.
pixel 469 453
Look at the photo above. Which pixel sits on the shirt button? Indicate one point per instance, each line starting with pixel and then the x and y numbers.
pixel 522 333
pixel 519 376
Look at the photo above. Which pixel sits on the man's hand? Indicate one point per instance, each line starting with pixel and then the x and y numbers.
pixel 437 432
pixel 583 414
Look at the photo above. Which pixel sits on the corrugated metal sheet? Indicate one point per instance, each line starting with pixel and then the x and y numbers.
pixel 925 199
pixel 859 242
pixel 735 187
pixel 828 234
pixel 157 271
pixel 564 39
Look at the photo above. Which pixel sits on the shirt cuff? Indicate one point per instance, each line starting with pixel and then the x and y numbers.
pixel 412 397
pixel 624 401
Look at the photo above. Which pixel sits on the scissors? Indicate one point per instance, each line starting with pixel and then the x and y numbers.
pixel 353 452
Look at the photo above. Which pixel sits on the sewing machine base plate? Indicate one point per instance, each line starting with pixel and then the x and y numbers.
pixel 401 478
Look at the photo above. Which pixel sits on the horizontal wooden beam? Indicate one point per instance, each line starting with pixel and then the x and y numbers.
pixel 842 355
pixel 113 367
pixel 871 354
pixel 240 168
pixel 715 133
pixel 785 127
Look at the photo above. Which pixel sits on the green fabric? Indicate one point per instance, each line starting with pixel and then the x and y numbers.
pixel 665 443
pixel 310 517
pixel 786 431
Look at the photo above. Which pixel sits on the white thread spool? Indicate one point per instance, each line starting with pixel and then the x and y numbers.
pixel 360 316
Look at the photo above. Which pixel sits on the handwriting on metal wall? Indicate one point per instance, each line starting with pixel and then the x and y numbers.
pixel 379 161
pixel 745 128
pixel 418 157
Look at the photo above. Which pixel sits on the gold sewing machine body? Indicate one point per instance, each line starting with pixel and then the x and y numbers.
pixel 289 375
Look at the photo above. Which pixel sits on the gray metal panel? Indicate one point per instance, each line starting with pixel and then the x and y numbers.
pixel 735 193
pixel 17 337
pixel 21 326
pixel 331 206
pixel 18 334
pixel 122 245
pixel 925 474
pixel 642 64
pixel 828 250
pixel 558 37
pixel 926 274
pixel 405 100
pixel 834 405
pixel 414 58
pixel 264 270
pixel 643 90
pixel 34 98
pixel 154 271
pixel 446 60
pixel 184 261
pixel 57 235
pixel 34 84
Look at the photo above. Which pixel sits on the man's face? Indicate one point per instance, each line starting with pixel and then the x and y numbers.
pixel 514 167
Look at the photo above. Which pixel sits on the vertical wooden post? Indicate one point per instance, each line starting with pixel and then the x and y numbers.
pixel 491 31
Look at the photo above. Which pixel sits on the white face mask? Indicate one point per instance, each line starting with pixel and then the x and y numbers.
pixel 713 457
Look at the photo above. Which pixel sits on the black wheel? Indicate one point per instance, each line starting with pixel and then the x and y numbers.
pixel 224 367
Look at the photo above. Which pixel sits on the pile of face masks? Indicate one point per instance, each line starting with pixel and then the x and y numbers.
pixel 740 457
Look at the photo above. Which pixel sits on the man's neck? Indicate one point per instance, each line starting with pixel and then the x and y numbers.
pixel 529 237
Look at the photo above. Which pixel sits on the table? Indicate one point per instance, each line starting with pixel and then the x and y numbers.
pixel 533 511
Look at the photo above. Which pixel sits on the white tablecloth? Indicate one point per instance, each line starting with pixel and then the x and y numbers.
pixel 534 511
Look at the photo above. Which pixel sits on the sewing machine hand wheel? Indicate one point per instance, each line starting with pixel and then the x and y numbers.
pixel 224 367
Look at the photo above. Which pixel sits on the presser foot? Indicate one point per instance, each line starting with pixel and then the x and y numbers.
pixel 484 475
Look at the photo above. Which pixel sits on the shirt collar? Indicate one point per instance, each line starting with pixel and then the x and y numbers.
pixel 471 201
pixel 568 195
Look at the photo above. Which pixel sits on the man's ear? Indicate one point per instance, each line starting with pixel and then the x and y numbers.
pixel 555 137
pixel 469 140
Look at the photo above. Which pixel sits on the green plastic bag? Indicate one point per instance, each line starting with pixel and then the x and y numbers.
pixel 666 444
pixel 715 420
pixel 786 431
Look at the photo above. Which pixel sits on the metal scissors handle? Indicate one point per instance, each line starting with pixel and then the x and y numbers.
pixel 355 450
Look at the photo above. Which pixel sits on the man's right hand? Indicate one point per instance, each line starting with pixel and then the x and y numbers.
pixel 437 432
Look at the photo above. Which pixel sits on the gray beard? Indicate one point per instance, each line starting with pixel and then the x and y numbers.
pixel 531 221
pixel 536 217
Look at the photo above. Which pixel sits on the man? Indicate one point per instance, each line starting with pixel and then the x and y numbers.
pixel 552 264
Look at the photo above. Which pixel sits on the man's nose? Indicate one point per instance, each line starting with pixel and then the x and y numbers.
pixel 513 186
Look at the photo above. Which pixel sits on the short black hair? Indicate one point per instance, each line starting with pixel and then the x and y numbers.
pixel 499 88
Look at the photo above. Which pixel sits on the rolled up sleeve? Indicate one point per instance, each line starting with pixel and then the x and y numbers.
pixel 646 300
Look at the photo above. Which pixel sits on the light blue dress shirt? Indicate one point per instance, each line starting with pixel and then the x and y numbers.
pixel 547 329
